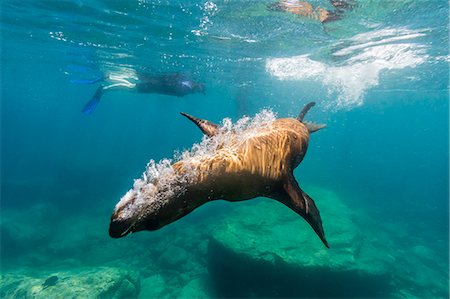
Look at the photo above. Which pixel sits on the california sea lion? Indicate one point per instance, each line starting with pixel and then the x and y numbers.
pixel 256 162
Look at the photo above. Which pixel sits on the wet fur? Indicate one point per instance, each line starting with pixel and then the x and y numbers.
pixel 261 164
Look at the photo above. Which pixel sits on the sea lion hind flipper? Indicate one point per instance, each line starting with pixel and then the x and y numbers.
pixel 208 128
pixel 312 127
pixel 300 202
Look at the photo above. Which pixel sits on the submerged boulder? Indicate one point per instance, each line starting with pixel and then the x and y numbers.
pixel 18 236
pixel 153 287
pixel 267 230
pixel 194 289
pixel 173 257
pixel 262 249
pixel 103 282
pixel 265 250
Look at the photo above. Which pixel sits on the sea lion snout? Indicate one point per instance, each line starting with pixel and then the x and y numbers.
pixel 119 228
pixel 124 217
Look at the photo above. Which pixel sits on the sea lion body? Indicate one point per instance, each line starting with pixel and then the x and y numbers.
pixel 252 163
pixel 249 166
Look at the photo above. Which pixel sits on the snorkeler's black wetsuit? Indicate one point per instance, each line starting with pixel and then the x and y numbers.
pixel 170 84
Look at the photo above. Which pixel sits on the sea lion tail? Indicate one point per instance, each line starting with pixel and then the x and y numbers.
pixel 300 202
pixel 312 127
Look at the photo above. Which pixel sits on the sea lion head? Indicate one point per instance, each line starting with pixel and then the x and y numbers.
pixel 127 216
pixel 149 205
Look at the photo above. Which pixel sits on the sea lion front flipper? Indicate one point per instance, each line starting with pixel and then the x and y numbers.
pixel 208 128
pixel 300 202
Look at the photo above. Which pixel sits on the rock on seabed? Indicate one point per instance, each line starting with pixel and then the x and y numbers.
pixel 263 249
pixel 103 282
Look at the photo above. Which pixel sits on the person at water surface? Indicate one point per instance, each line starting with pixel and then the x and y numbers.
pixel 305 9
pixel 173 84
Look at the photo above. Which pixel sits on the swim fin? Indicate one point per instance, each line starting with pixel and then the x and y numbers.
pixel 90 106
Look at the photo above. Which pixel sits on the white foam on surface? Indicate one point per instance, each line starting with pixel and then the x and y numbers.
pixel 371 54
pixel 160 182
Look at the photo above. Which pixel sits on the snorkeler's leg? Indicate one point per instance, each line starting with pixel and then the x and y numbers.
pixel 119 86
pixel 95 100
pixel 87 81
pixel 122 82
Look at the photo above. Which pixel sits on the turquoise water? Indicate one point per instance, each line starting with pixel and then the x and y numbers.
pixel 378 172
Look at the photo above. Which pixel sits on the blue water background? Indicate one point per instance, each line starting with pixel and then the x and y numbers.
pixel 388 156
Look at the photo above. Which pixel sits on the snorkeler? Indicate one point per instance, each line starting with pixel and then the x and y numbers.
pixel 305 9
pixel 174 84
